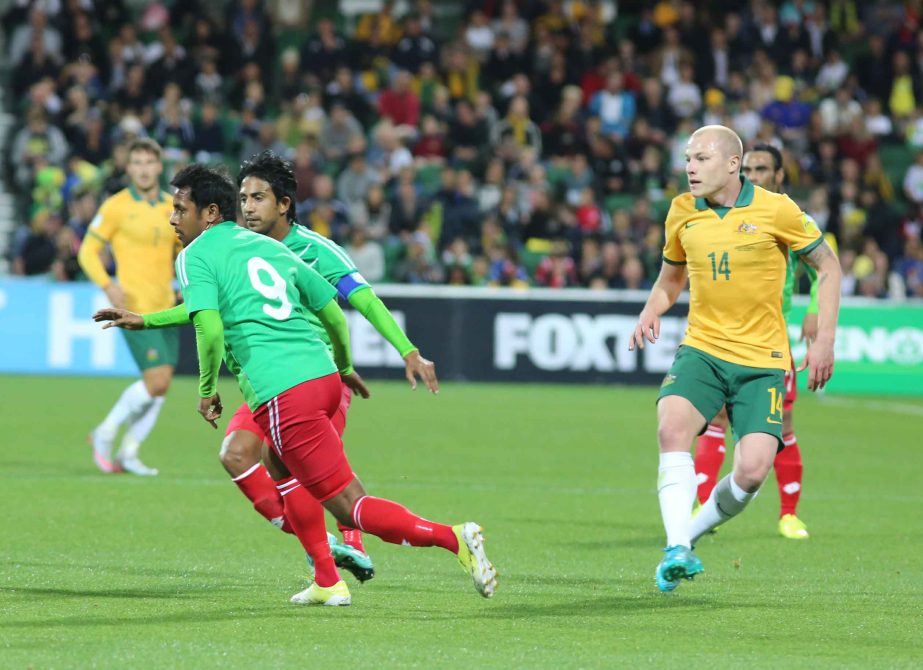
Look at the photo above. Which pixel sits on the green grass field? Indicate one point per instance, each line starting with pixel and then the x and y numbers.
pixel 178 571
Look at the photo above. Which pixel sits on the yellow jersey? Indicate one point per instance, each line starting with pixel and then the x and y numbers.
pixel 737 259
pixel 144 245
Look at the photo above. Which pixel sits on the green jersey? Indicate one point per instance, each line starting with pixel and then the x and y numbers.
pixel 264 294
pixel 330 261
pixel 793 260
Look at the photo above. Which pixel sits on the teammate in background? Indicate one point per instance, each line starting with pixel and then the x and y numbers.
pixel 248 296
pixel 136 223
pixel 762 165
pixel 733 238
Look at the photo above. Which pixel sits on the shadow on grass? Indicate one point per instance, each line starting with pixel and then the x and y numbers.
pixel 155 593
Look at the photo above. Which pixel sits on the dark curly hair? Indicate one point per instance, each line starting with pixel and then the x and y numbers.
pixel 208 186
pixel 275 171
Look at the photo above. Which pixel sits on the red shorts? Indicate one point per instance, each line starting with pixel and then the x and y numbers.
pixel 299 422
pixel 243 418
pixel 791 389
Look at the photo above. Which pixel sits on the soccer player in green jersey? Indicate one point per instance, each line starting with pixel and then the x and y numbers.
pixel 762 165
pixel 266 194
pixel 248 296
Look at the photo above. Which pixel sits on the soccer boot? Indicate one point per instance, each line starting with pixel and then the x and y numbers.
pixel 793 528
pixel 134 465
pixel 349 558
pixel 356 562
pixel 678 563
pixel 102 453
pixel 473 560
pixel 332 596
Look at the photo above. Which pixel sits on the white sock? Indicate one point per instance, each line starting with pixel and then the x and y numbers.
pixel 139 429
pixel 676 487
pixel 133 402
pixel 726 501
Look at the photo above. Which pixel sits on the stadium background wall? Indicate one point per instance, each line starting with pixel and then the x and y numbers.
pixel 482 334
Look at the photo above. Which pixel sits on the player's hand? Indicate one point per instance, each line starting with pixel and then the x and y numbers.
pixel 119 318
pixel 819 363
pixel 355 383
pixel 649 327
pixel 417 366
pixel 809 328
pixel 210 409
pixel 116 295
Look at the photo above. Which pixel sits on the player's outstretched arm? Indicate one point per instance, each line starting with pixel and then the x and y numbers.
pixel 369 305
pixel 209 338
pixel 122 318
pixel 819 359
pixel 664 293
pixel 334 322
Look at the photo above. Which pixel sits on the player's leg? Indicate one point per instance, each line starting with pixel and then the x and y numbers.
pixel 310 447
pixel 710 451
pixel 351 536
pixel 132 404
pixel 344 556
pixel 156 382
pixel 306 516
pixel 240 455
pixel 789 468
pixel 692 391
pixel 755 410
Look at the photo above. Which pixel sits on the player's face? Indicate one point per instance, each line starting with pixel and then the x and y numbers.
pixel 186 218
pixel 759 168
pixel 259 206
pixel 144 170
pixel 708 167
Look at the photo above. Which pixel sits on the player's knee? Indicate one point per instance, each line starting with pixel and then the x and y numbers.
pixel 157 386
pixel 673 435
pixel 788 424
pixel 236 457
pixel 751 473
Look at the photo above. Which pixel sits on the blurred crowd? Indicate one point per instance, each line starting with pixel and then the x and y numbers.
pixel 494 142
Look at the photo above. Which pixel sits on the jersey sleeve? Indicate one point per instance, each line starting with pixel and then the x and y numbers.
pixel 673 252
pixel 795 229
pixel 197 282
pixel 315 291
pixel 335 265
pixel 105 224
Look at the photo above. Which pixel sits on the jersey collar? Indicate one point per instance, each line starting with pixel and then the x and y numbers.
pixel 744 198
pixel 139 198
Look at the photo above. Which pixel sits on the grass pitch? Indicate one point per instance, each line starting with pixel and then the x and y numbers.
pixel 178 571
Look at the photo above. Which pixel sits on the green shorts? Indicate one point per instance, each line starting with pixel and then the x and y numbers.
pixel 753 396
pixel 152 348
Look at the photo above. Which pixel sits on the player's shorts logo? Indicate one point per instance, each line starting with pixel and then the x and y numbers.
pixel 748 228
pixel 669 379
pixel 152 354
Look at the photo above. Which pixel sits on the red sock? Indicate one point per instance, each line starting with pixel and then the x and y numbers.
pixel 306 515
pixel 396 524
pixel 258 486
pixel 789 469
pixel 709 455
pixel 351 536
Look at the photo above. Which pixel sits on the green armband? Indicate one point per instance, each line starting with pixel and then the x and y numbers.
pixel 373 309
pixel 175 316
pixel 209 338
pixel 335 324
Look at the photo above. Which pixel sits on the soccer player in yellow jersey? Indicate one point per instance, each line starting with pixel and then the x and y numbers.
pixel 135 223
pixel 733 240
